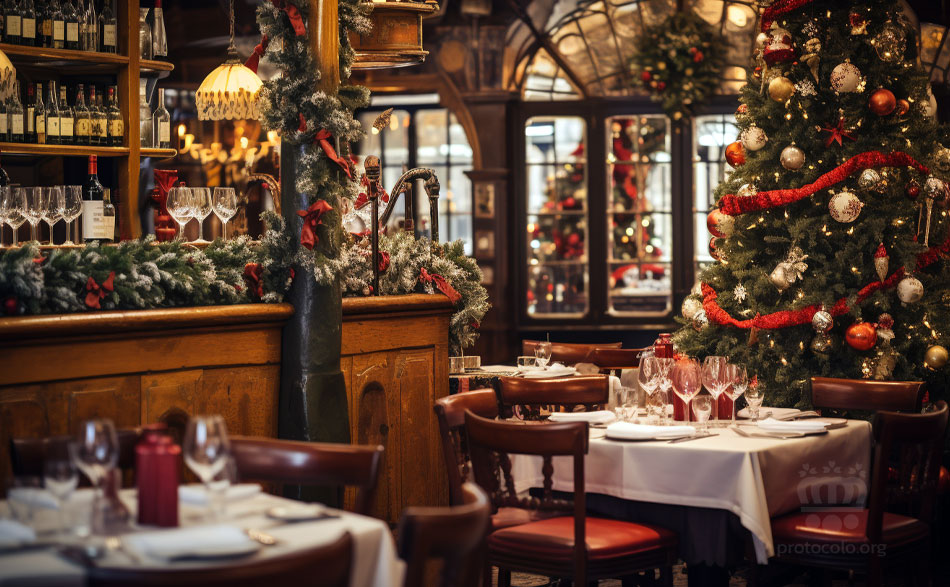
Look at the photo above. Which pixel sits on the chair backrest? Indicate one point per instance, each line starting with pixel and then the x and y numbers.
pixel 28 455
pixel 860 394
pixel 450 411
pixel 615 360
pixel 906 465
pixel 569 353
pixel 490 443
pixel 453 535
pixel 567 392
pixel 322 566
pixel 310 463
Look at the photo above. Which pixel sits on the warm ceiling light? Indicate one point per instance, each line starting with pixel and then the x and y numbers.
pixel 230 91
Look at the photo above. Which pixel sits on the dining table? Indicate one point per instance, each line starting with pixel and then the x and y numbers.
pixel 53 560
pixel 699 487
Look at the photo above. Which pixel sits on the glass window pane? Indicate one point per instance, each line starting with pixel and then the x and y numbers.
pixel 431 136
pixel 459 149
pixel 711 135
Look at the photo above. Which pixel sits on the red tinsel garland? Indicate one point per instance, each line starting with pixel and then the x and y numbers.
pixel 786 318
pixel 733 205
pixel 778 8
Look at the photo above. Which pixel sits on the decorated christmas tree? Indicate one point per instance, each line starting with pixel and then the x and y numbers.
pixel 832 229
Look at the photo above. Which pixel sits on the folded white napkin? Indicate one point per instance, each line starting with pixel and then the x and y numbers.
pixel 34 497
pixel 595 417
pixel 196 541
pixel 777 413
pixel 556 370
pixel 803 426
pixel 13 534
pixel 628 431
pixel 196 494
pixel 498 368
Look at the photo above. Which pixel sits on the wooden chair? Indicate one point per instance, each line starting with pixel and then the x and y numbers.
pixel 894 530
pixel 860 394
pixel 450 411
pixel 569 353
pixel 570 545
pixel 588 391
pixel 323 566
pixel 455 535
pixel 615 360
pixel 310 463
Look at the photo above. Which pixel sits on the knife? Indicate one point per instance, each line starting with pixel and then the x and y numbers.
pixel 688 438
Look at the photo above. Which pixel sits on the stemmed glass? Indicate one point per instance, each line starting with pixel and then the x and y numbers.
pixel 687 381
pixel 713 378
pixel 59 475
pixel 206 449
pixel 13 203
pixel 69 207
pixel 665 368
pixel 702 408
pixel 225 207
pixel 3 211
pixel 37 200
pixel 738 382
pixel 201 206
pixel 542 353
pixel 96 453
pixel 179 205
pixel 649 380
pixel 51 210
pixel 754 397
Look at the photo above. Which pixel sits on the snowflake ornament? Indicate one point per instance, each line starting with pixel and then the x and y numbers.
pixel 810 29
pixel 740 293
pixel 806 88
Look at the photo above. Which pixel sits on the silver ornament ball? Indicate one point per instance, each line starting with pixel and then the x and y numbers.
pixel 934 188
pixel 779 278
pixel 792 158
pixel 822 322
pixel 747 190
pixel 870 180
pixel 700 320
pixel 691 306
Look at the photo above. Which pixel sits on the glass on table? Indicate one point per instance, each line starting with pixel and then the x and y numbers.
pixel 60 476
pixel 738 382
pixel 627 399
pixel 753 397
pixel 225 207
pixel 71 208
pixel 51 210
pixel 96 450
pixel 543 353
pixel 201 209
pixel 714 377
pixel 13 203
pixel 649 379
pixel 36 203
pixel 23 497
pixel 687 381
pixel 665 369
pixel 702 408
pixel 179 206
pixel 525 361
pixel 206 449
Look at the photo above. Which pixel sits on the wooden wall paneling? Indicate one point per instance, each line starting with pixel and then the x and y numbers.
pixel 115 398
pixel 245 396
pixel 170 398
pixel 26 412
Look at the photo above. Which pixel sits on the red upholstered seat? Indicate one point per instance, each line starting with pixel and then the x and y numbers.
pixel 844 526
pixel 606 539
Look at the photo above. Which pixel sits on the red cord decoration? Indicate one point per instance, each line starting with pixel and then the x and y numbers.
pixel 441 284
pixel 733 206
pixel 786 318
pixel 254 61
pixel 778 8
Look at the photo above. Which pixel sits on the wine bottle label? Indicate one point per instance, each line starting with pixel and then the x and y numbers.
pixel 82 127
pixel 66 126
pixel 72 32
pixel 102 128
pixel 17 124
pixel 41 125
pixel 107 227
pixel 59 30
pixel 13 26
pixel 116 128
pixel 108 35
pixel 164 131
pixel 47 27
pixel 52 126
pixel 3 124
pixel 30 115
pixel 92 219
pixel 29 28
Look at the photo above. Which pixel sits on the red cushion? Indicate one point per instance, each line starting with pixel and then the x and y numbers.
pixel 554 537
pixel 844 526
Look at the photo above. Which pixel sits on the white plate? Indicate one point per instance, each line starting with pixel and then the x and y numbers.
pixel 218 551
pixel 298 513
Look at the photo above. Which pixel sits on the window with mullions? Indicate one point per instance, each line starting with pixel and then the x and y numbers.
pixel 711 134
pixel 424 135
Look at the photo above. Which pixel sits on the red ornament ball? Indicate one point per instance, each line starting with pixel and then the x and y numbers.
pixel 882 102
pixel 861 336
pixel 646 76
pixel 698 57
pixel 569 203
pixel 735 154
pixel 912 191
pixel 903 107
pixel 719 224
pixel 660 86
pixel 742 109
pixel 712 249
pixel 573 239
pixel 10 306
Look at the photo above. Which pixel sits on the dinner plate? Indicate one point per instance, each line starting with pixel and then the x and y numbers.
pixel 298 513
pixel 217 551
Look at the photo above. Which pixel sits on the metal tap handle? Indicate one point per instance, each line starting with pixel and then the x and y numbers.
pixel 432 190
pixel 371 165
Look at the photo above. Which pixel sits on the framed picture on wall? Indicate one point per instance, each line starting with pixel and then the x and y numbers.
pixel 484 244
pixel 484 200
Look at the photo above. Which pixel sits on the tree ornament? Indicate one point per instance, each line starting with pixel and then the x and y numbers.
pixel 790 270
pixel 646 76
pixel 690 307
pixel 845 77
pixel 11 306
pixel 870 180
pixel 811 58
pixel 889 43
pixel 806 88
pixel 861 336
pixel 735 154
pixel 942 159
pixel 810 29
pixel 910 290
pixel 936 357
pixel 885 327
pixel 929 105
pixel 747 190
pixel 760 40
pixel 700 320
pixel 753 138
pixel 792 158
pixel 882 102
pixel 935 190
pixel 881 262
pixel 719 224
pixel 740 293
pixel 903 107
pixel 912 190
pixel 778 46
pixel 845 206
pixel 858 20
pixel 779 278
pixel 883 363
pixel 781 89
pixel 741 112
pixel 837 133
pixel 713 252
pixel 822 345
pixel 822 322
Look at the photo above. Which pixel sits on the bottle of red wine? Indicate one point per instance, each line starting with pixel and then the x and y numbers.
pixel 92 204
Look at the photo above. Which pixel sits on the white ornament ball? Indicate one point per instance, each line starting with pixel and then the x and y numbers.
pixel 934 189
pixel 753 138
pixel 747 190
pixel 792 158
pixel 760 40
pixel 845 206
pixel 845 77
pixel 690 307
pixel 910 290
pixel 929 105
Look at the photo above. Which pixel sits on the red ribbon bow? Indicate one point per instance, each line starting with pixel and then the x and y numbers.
pixel 441 284
pixel 383 261
pixel 95 292
pixel 253 274
pixel 837 133
pixel 311 218
pixel 293 13
pixel 323 137
pixel 363 199
pixel 254 60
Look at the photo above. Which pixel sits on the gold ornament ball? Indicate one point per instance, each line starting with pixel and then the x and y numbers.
pixel 936 357
pixel 781 89
pixel 792 158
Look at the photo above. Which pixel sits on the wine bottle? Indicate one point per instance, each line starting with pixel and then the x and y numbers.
pixel 92 204
pixel 159 40
pixel 30 112
pixel 109 26
pixel 16 116
pixel 58 23
pixel 71 18
pixel 94 130
pixel 161 123
pixel 115 122
pixel 101 123
pixel 145 118
pixel 66 121
pixel 28 23
pixel 39 116
pixel 44 13
pixel 12 29
pixel 91 42
pixel 5 120
pixel 53 123
pixel 83 126
pixel 108 217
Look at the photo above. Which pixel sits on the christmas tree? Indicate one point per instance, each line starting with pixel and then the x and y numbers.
pixel 832 229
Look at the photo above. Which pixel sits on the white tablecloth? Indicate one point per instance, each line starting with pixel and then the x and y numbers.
pixel 754 478
pixel 375 563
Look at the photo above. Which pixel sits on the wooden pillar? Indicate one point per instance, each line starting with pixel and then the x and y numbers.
pixel 324 25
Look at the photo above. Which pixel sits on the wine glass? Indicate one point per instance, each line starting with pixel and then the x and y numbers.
pixel 3 211
pixel 665 368
pixel 179 205
pixel 713 373
pixel 96 450
pixel 649 380
pixel 70 207
pixel 201 206
pixel 627 399
pixel 543 353
pixel 59 475
pixel 687 381
pixel 738 382
pixel 754 397
pixel 51 210
pixel 225 207
pixel 206 448
pixel 36 202
pixel 702 408
pixel 14 206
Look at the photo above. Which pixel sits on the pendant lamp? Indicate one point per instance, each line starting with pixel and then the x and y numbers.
pixel 231 90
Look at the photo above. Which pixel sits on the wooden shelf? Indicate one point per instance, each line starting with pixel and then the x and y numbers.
pixel 43 56
pixel 152 65
pixel 60 150
pixel 159 153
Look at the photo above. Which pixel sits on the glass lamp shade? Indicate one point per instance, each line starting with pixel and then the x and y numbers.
pixel 229 92
pixel 7 76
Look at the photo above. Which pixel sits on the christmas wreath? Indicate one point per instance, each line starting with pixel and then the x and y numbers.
pixel 680 62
